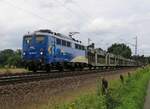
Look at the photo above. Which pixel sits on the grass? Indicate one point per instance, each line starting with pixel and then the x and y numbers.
pixel 12 70
pixel 127 95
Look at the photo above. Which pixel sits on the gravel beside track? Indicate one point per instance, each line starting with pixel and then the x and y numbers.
pixel 31 95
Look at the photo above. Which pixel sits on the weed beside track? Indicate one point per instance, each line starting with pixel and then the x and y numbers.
pixel 129 95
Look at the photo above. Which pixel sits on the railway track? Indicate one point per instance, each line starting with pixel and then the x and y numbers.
pixel 28 77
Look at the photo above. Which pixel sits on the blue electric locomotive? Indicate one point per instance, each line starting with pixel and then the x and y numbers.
pixel 46 50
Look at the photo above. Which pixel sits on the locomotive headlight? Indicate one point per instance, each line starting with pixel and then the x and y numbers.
pixel 41 53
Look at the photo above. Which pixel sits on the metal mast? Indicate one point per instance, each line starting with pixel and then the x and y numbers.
pixel 136 45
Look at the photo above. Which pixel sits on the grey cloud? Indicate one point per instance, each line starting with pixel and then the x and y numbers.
pixel 69 1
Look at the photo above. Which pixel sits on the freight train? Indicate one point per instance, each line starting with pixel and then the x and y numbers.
pixel 47 50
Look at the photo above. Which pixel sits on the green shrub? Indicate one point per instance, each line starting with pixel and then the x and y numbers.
pixel 132 94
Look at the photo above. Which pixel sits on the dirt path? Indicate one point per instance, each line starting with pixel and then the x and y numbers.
pixel 147 98
pixel 50 92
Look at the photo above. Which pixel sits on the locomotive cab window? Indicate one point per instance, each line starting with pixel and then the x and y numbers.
pixel 28 39
pixel 39 38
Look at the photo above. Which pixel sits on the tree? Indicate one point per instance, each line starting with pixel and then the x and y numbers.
pixel 4 55
pixel 10 58
pixel 120 49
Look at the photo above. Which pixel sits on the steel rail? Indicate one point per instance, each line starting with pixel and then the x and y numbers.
pixel 29 77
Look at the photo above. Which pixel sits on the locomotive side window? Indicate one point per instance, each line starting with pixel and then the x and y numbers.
pixel 40 38
pixel 28 39
pixel 58 41
pixel 76 46
pixel 83 48
pixel 80 47
pixel 68 44
pixel 64 43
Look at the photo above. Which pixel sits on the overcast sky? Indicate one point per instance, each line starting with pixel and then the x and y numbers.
pixel 103 21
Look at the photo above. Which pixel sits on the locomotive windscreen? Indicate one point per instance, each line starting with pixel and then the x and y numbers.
pixel 40 38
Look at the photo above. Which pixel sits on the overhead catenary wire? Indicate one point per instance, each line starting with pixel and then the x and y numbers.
pixel 10 3
pixel 71 11
pixel 37 15
pixel 86 16
pixel 26 11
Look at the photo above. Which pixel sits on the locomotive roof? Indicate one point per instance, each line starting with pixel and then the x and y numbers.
pixel 57 35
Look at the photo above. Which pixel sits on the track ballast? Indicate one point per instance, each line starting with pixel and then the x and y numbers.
pixel 29 77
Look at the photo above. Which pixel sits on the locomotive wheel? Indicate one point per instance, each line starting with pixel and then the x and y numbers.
pixel 72 67
pixel 94 68
pixel 34 70
pixel 48 68
pixel 90 67
pixel 61 68
pixel 77 66
pixel 81 66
